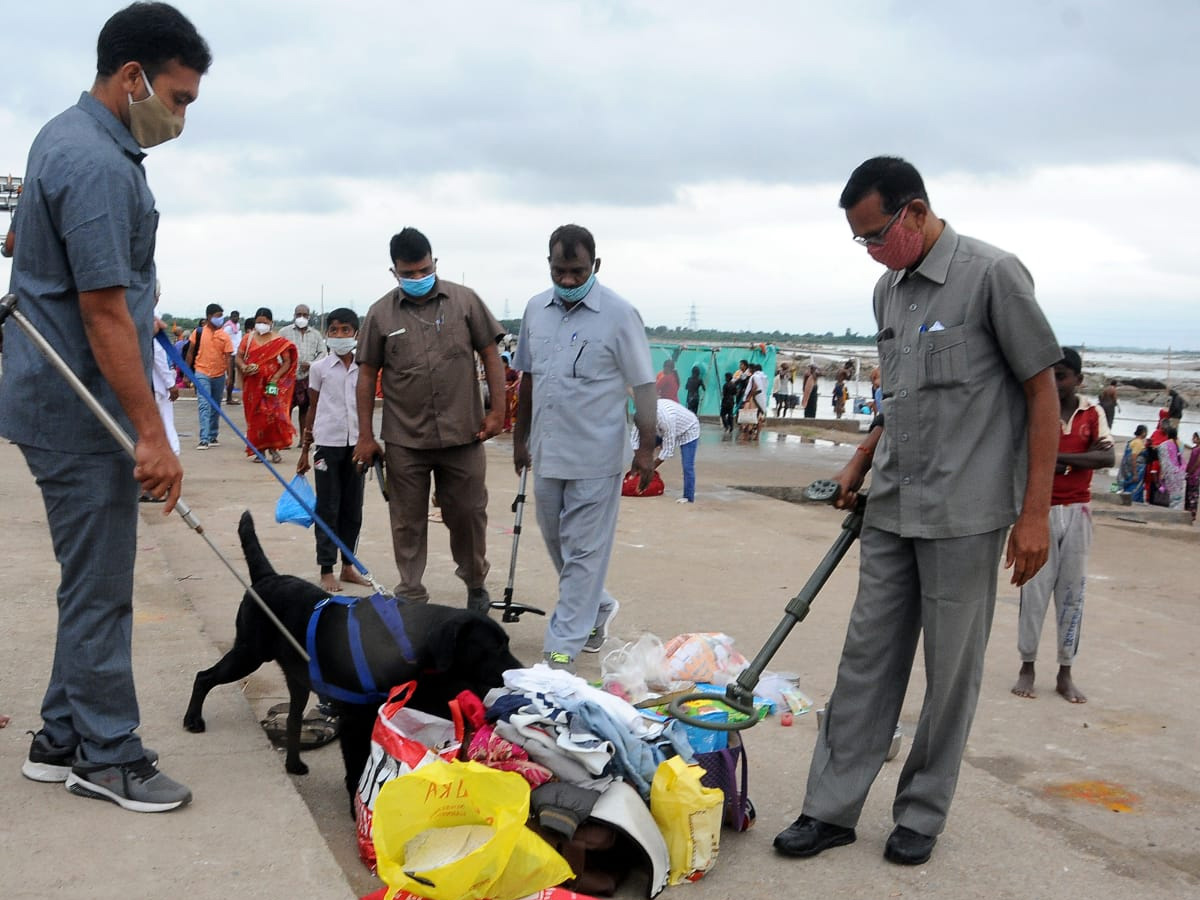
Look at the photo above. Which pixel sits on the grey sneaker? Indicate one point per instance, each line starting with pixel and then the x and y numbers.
pixel 51 764
pixel 479 600
pixel 556 660
pixel 136 786
pixel 600 633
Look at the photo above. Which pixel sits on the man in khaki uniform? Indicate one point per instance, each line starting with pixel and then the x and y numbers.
pixel 423 337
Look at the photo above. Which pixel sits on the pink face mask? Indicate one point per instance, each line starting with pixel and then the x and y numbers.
pixel 901 247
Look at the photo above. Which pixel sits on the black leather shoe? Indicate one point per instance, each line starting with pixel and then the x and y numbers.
pixel 906 847
pixel 808 837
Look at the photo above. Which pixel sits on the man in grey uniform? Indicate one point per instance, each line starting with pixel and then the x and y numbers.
pixel 84 274
pixel 971 408
pixel 581 348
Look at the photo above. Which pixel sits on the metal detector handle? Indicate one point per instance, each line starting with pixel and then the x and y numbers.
pixel 8 307
pixel 739 696
pixel 379 477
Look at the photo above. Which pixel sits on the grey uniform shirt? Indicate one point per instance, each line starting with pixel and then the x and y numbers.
pixel 958 336
pixel 86 221
pixel 582 360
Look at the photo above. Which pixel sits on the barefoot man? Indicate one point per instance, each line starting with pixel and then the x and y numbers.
pixel 1083 446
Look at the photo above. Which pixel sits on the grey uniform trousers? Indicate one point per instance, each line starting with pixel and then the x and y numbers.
pixel 947 589
pixel 92 511
pixel 578 520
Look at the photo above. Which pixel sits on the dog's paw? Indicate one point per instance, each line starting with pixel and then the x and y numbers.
pixel 296 767
pixel 194 724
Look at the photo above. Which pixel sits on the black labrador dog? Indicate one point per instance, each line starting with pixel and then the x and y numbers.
pixel 454 650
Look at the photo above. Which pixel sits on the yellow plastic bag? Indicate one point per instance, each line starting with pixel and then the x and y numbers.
pixel 463 827
pixel 689 817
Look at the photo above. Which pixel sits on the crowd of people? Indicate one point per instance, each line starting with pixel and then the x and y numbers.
pixel 1157 468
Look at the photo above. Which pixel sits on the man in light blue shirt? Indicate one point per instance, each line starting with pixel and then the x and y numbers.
pixel 582 347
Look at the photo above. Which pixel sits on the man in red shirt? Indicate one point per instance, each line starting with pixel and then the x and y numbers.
pixel 1083 446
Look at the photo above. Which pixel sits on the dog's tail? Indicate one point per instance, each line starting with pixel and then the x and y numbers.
pixel 260 567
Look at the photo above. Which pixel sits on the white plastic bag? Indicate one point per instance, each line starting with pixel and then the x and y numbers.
pixel 633 671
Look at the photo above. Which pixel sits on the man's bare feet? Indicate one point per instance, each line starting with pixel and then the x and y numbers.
pixel 1024 685
pixel 329 583
pixel 1067 688
pixel 4 720
pixel 350 576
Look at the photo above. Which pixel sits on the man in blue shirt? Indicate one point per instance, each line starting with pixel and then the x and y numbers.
pixel 84 274
pixel 581 347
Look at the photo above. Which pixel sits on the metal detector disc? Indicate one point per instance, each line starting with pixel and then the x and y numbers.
pixel 821 491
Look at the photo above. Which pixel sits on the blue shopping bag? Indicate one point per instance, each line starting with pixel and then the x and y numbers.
pixel 289 509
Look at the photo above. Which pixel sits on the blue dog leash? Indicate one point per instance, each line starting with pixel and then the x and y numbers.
pixel 382 600
pixel 177 359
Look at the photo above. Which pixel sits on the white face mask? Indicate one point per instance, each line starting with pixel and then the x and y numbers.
pixel 341 346
pixel 262 327
pixel 302 322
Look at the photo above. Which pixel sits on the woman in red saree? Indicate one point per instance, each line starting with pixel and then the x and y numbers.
pixel 268 365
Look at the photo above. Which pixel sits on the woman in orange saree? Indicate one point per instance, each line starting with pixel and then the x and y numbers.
pixel 268 365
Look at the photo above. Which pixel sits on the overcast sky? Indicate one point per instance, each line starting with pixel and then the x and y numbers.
pixel 704 143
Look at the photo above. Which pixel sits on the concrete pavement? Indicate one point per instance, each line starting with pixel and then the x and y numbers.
pixel 1034 812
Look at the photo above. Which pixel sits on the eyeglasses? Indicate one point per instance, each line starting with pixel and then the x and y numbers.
pixel 880 236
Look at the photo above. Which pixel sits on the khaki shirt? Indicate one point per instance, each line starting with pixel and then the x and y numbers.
pixel 958 337
pixel 426 351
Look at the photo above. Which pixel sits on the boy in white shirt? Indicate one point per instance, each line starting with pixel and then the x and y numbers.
pixel 331 422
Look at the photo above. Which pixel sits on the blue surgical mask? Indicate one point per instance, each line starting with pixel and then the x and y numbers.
pixel 572 295
pixel 417 287
pixel 217 321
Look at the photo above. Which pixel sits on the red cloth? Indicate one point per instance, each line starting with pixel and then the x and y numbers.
pixel 1076 485
pixel 268 418
pixel 666 385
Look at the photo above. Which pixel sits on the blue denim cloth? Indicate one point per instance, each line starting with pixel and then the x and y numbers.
pixel 687 456
pixel 635 760
pixel 91 508
pixel 210 420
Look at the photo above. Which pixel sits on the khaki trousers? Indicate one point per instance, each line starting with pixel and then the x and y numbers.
pixel 458 475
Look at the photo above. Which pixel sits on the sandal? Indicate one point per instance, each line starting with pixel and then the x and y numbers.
pixel 275 457
pixel 316 730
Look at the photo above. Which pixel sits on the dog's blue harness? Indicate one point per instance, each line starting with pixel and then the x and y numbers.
pixel 389 613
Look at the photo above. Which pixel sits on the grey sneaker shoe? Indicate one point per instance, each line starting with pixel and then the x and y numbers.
pixel 136 786
pixel 556 660
pixel 479 600
pixel 600 633
pixel 51 764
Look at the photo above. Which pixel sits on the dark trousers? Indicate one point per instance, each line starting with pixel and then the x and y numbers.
pixel 339 501
pixel 459 476
pixel 92 512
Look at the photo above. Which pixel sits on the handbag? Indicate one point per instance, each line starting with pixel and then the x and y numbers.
pixel 629 486
pixel 728 770
pixel 748 415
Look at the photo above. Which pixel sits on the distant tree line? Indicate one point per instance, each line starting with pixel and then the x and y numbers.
pixel 715 336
